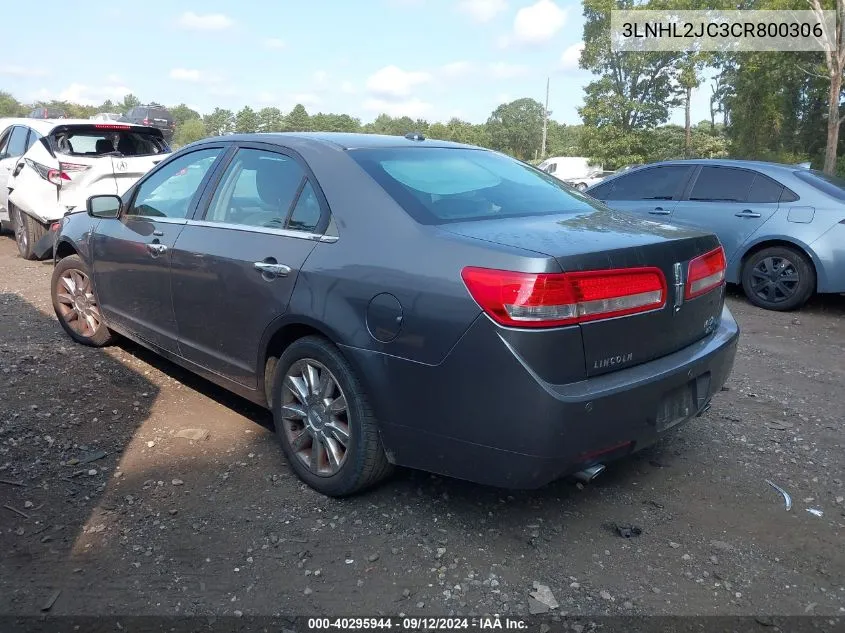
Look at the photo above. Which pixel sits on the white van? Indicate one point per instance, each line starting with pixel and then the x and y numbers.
pixel 575 170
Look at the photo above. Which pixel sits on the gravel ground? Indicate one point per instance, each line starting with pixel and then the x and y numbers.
pixel 145 490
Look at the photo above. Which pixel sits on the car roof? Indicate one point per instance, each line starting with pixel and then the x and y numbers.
pixel 728 162
pixel 342 140
pixel 45 126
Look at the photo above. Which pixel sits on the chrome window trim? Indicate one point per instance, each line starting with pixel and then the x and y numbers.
pixel 300 235
pixel 155 218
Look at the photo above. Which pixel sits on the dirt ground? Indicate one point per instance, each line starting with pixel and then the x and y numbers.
pixel 120 514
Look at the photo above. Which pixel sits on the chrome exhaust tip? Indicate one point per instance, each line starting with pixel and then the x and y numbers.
pixel 588 474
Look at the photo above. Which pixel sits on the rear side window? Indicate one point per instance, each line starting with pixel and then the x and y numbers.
pixel 33 137
pixel 765 190
pixel 440 185
pixel 831 185
pixel 99 140
pixel 722 184
pixel 654 183
pixel 17 142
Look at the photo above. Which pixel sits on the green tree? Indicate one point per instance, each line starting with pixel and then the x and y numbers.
pixel 298 120
pixel 182 113
pixel 271 120
pixel 246 121
pixel 517 128
pixel 689 79
pixel 129 101
pixel 188 132
pixel 9 106
pixel 219 122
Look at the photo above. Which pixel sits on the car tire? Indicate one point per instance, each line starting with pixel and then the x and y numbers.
pixel 76 305
pixel 778 278
pixel 307 403
pixel 27 232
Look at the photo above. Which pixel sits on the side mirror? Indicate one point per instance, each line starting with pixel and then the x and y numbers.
pixel 105 206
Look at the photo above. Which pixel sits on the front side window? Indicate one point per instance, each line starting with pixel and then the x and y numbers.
pixel 440 185
pixel 654 183
pixel 257 189
pixel 170 190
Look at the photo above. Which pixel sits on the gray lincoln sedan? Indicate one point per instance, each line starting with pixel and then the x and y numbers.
pixel 402 301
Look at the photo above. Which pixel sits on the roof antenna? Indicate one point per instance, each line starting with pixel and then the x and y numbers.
pixel 414 136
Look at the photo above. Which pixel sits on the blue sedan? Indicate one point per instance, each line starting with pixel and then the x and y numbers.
pixel 782 226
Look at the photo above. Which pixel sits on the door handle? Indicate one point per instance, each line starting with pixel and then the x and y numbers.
pixel 747 213
pixel 659 211
pixel 271 269
pixel 156 249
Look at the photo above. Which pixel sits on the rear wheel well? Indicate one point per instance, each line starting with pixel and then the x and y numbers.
pixel 276 347
pixel 774 243
pixel 64 249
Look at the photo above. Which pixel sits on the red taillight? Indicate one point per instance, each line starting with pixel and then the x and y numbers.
pixel 554 299
pixel 146 121
pixel 705 273
pixel 55 226
pixel 112 126
pixel 57 177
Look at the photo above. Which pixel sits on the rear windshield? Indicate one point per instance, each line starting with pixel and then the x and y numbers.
pixel 831 185
pixel 99 141
pixel 440 185
pixel 158 113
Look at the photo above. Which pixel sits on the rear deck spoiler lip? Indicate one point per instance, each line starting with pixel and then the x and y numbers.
pixel 132 126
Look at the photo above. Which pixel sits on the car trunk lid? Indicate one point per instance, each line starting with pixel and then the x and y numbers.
pixel 607 240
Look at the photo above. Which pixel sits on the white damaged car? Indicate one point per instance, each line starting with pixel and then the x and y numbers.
pixel 49 168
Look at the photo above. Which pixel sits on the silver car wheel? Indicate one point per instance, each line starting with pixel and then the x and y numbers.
pixel 77 305
pixel 315 417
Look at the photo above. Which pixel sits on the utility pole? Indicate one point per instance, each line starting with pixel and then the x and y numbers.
pixel 546 114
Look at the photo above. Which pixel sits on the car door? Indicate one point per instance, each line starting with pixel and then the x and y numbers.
pixel 649 192
pixel 731 202
pixel 234 268
pixel 13 145
pixel 131 254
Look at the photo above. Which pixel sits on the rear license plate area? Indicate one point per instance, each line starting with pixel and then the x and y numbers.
pixel 675 407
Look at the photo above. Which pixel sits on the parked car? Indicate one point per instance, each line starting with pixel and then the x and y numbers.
pixel 782 226
pixel 105 116
pixel 548 335
pixel 47 113
pixel 153 115
pixel 48 168
pixel 585 182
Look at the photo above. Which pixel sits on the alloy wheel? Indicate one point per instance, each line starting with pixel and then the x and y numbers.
pixel 77 305
pixel 315 416
pixel 775 279
pixel 21 236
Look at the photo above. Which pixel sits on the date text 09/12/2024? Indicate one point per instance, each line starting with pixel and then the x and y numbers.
pixel 483 623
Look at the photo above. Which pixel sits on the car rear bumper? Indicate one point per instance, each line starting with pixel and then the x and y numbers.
pixel 483 416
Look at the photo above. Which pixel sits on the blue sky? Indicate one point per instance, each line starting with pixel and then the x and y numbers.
pixel 424 58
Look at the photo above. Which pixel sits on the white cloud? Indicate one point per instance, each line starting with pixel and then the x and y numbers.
pixel 391 82
pixel 538 23
pixel 348 88
pixel 414 108
pixel 114 79
pixel 502 70
pixel 84 95
pixel 482 10
pixel 320 79
pixel 186 74
pixel 455 70
pixel 274 43
pixel 503 97
pixel 571 56
pixel 208 22
pixel 13 70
